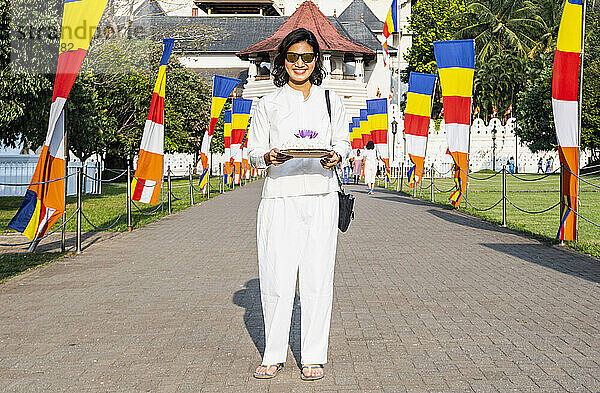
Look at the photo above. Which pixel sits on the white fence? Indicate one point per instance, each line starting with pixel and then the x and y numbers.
pixel 20 169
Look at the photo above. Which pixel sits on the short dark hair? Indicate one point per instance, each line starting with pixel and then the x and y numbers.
pixel 280 75
pixel 370 145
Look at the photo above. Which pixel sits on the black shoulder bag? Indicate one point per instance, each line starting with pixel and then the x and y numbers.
pixel 346 200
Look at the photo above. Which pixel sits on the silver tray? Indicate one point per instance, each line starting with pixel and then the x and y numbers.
pixel 306 153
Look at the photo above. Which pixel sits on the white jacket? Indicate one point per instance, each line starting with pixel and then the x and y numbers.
pixel 276 123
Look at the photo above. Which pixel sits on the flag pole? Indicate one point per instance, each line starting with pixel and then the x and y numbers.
pixel 466 196
pixel 583 4
pixel 435 84
pixel 399 30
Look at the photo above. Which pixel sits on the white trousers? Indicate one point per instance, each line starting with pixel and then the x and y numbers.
pixel 297 235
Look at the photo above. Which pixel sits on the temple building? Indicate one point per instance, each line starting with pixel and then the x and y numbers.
pixel 343 59
pixel 246 34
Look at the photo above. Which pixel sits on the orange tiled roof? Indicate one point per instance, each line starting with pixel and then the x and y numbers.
pixel 309 16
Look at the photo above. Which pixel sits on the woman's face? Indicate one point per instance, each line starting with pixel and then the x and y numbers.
pixel 299 71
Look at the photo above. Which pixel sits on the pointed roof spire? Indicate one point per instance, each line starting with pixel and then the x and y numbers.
pixel 358 10
pixel 309 16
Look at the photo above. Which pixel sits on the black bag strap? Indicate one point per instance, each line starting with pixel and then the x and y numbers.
pixel 328 102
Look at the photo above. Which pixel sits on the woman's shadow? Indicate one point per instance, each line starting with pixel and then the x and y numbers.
pixel 249 298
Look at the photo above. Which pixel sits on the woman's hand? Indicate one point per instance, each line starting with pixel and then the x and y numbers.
pixel 331 160
pixel 274 157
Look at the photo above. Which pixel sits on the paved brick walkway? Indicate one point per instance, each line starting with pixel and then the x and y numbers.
pixel 426 299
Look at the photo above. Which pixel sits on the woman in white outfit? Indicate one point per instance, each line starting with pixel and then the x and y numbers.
pixel 370 166
pixel 298 214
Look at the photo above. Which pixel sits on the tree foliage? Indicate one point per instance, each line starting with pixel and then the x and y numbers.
pixel 432 20
pixel 502 26
pixel 24 74
pixel 108 105
pixel 535 121
pixel 497 83
pixel 533 111
pixel 82 119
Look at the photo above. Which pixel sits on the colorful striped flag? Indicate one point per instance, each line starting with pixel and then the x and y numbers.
pixel 378 124
pixel 45 203
pixel 365 131
pixel 456 66
pixel 147 181
pixel 416 121
pixel 240 116
pixel 227 142
pixel 565 105
pixel 356 136
pixel 222 88
pixel 245 160
pixel 386 55
pixel 391 21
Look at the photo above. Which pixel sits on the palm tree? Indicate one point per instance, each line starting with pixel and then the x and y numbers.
pixel 503 26
pixel 550 12
pixel 497 82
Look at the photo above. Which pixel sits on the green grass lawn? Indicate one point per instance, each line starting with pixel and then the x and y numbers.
pixel 102 210
pixel 528 195
pixel 14 264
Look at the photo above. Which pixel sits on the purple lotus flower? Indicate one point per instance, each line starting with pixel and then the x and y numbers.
pixel 306 134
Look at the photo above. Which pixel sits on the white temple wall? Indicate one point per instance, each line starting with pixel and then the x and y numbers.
pixel 507 146
pixel 213 60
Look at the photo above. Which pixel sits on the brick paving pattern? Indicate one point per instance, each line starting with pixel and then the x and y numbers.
pixel 426 299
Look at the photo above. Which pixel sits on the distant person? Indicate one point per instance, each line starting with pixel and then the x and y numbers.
pixel 371 159
pixel 540 165
pixel 549 165
pixel 357 164
pixel 346 170
pixel 511 165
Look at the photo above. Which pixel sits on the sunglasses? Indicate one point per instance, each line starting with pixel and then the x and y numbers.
pixel 307 58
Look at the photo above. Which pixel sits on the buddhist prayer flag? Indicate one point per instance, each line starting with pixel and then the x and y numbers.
pixel 565 105
pixel 147 181
pixel 378 124
pixel 390 26
pixel 227 134
pixel 203 179
pixel 245 160
pixel 240 116
pixel 386 55
pixel 391 21
pixel 456 67
pixel 356 136
pixel 246 167
pixel 222 88
pixel 364 127
pixel 227 142
pixel 416 121
pixel 44 203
